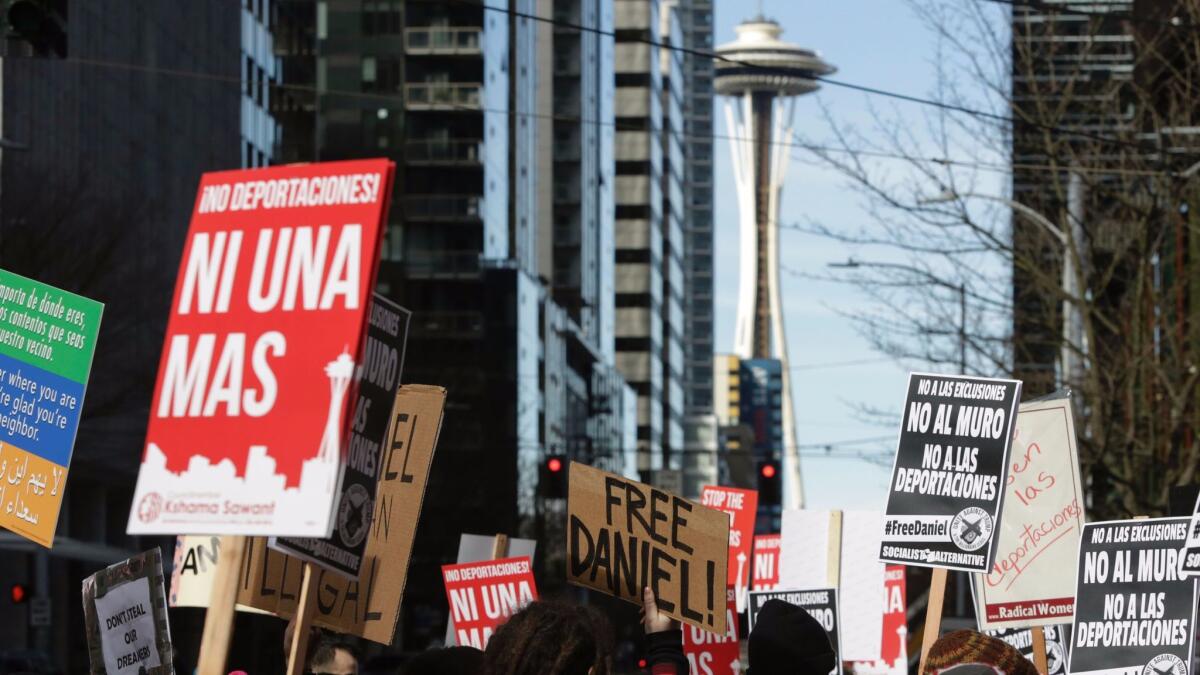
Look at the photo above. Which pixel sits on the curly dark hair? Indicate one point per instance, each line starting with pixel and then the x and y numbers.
pixel 547 638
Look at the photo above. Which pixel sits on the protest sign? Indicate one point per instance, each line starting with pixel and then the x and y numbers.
pixel 715 653
pixel 253 394
pixel 820 603
pixel 950 471
pixel 1134 610
pixel 1191 549
pixel 766 562
pixel 810 544
pixel 1021 639
pixel 369 606
pixel 378 378
pixel 742 507
pixel 1032 582
pixel 861 587
pixel 193 572
pixel 125 616
pixel 47 338
pixel 482 595
pixel 894 646
pixel 475 547
pixel 623 536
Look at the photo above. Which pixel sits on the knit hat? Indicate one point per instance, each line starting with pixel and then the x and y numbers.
pixel 787 640
pixel 965 652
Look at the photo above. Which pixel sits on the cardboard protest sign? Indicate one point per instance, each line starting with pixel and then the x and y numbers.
pixel 820 603
pixel 477 547
pixel 742 507
pixel 766 562
pixel 194 570
pixel 482 595
pixel 1032 582
pixel 1134 610
pixel 893 658
pixel 715 653
pixel 125 616
pixel 253 394
pixel 368 606
pixel 1191 550
pixel 623 536
pixel 950 472
pixel 1021 639
pixel 47 338
pixel 377 378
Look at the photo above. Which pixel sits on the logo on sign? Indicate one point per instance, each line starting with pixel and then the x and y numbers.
pixel 1056 659
pixel 354 515
pixel 1165 664
pixel 150 507
pixel 971 528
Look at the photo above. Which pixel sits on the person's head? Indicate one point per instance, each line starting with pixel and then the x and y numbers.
pixel 333 658
pixel 448 661
pixel 549 639
pixel 786 639
pixel 966 652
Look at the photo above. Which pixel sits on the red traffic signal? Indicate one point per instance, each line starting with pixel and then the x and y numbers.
pixel 554 464
pixel 768 470
pixel 18 594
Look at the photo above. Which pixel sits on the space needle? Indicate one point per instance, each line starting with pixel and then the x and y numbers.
pixel 760 77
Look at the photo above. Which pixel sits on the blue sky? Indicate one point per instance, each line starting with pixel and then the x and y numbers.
pixel 880 43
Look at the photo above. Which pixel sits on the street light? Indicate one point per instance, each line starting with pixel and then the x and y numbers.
pixel 960 288
pixel 1072 330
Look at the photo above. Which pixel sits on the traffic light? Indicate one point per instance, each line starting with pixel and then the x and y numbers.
pixel 553 477
pixel 40 23
pixel 769 492
pixel 18 594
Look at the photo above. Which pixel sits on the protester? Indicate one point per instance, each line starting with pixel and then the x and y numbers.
pixel 977 654
pixel 447 661
pixel 548 638
pixel 664 639
pixel 787 639
pixel 332 658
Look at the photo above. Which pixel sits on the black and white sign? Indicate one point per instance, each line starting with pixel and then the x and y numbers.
pixel 1191 548
pixel 125 617
pixel 820 603
pixel 951 465
pixel 378 379
pixel 1021 639
pixel 1134 610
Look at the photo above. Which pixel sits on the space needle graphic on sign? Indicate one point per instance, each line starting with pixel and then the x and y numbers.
pixel 761 76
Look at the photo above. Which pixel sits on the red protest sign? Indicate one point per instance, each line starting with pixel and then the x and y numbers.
pixel 766 562
pixel 482 595
pixel 251 404
pixel 715 653
pixel 742 507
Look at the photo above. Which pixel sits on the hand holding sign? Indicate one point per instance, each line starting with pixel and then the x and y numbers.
pixel 623 536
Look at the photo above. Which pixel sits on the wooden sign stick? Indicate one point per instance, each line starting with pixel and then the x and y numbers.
pixel 1039 649
pixel 500 547
pixel 933 613
pixel 218 621
pixel 303 621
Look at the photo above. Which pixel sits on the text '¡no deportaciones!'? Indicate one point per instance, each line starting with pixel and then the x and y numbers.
pixel 630 563
pixel 949 470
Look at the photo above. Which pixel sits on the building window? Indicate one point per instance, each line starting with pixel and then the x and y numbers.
pixel 381 17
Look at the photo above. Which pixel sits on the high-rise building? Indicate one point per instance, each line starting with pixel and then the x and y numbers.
pixel 102 156
pixel 499 240
pixel 750 409
pixel 761 79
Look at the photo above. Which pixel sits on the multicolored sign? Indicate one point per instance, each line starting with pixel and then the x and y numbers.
pixel 711 653
pixel 482 595
pixel 1032 582
pixel 742 507
pixel 252 402
pixel 47 339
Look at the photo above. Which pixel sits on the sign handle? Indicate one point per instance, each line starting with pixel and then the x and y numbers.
pixel 500 547
pixel 305 608
pixel 218 621
pixel 1039 649
pixel 933 613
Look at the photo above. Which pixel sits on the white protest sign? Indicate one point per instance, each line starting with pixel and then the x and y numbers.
pixel 127 628
pixel 1032 582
